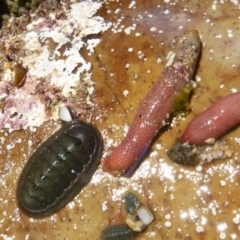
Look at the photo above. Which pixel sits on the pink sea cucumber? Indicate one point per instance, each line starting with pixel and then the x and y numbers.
pixel 214 122
pixel 158 104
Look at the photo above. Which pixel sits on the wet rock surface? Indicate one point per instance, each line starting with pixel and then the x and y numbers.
pixel 200 202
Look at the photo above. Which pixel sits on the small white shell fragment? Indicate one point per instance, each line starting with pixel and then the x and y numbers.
pixel 170 57
pixel 64 114
pixel 210 141
pixel 135 225
pixel 194 84
pixel 228 152
pixel 145 215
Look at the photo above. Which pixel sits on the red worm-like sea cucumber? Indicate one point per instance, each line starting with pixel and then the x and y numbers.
pixel 214 122
pixel 191 148
pixel 158 104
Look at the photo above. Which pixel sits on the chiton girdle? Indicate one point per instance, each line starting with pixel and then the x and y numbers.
pixel 59 169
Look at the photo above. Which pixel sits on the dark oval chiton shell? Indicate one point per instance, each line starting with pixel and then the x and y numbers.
pixel 59 169
pixel 118 232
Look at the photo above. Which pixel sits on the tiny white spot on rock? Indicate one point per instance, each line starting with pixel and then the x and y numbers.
pixel 199 168
pixel 29 143
pixel 167 216
pixel 198 78
pixel 117 10
pixel 230 33
pixel 236 219
pixel 153 29
pixel 159 146
pixel 199 229
pixel 104 206
pixel 159 60
pixel 132 4
pixel 234 90
pixel 166 11
pixel 180 176
pixel 222 235
pixel 125 93
pixel 223 183
pixel 211 50
pixel 168 224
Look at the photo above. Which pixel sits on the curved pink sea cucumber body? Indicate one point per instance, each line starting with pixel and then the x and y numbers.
pixel 156 108
pixel 158 104
pixel 215 121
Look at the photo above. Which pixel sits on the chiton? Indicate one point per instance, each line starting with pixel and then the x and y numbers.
pixel 118 232
pixel 59 169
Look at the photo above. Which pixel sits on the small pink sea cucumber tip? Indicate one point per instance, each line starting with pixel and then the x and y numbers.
pixel 111 165
pixel 116 163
